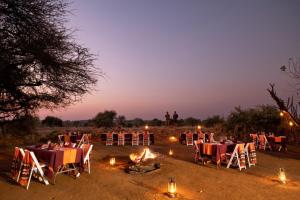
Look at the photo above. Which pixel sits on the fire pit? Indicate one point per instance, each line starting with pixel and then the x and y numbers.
pixel 143 163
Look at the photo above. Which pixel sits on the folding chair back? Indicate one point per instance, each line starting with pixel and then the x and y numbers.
pixel 67 138
pixel 241 156
pixel 201 135
pixel 29 166
pixel 197 155
pixel 211 137
pixel 263 142
pixel 238 156
pixel 84 140
pixel 135 139
pixel 254 138
pixel 16 164
pixel 250 154
pixel 121 139
pixel 146 139
pixel 87 149
pixel 189 139
pixel 60 138
pixel 109 139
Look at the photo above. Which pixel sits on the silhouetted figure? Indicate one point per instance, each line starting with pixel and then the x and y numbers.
pixel 167 116
pixel 175 118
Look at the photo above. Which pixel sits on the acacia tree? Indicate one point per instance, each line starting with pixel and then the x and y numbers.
pixel 289 107
pixel 41 65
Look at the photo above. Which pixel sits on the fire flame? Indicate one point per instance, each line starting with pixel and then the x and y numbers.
pixel 146 154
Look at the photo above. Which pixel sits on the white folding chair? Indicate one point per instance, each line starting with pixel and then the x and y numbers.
pixel 146 139
pixel 60 138
pixel 189 139
pixel 254 138
pixel 84 139
pixel 236 156
pixel 87 148
pixel 211 138
pixel 35 168
pixel 135 139
pixel 250 154
pixel 263 142
pixel 121 139
pixel 197 155
pixel 109 139
pixel 17 163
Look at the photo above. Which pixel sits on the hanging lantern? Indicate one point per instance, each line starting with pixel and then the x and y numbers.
pixel 281 114
pixel 291 123
pixel 172 188
pixel 170 152
pixel 112 161
pixel 281 176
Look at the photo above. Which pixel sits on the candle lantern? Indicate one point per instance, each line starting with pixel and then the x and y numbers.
pixel 170 152
pixel 112 161
pixel 281 114
pixel 282 176
pixel 172 139
pixel 172 188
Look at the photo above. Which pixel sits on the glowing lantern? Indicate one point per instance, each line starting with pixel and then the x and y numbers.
pixel 146 127
pixel 281 114
pixel 198 127
pixel 172 188
pixel 112 161
pixel 281 176
pixel 170 152
pixel 172 139
pixel 291 123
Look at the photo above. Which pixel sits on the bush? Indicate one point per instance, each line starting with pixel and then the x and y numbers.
pixel 261 118
pixel 190 121
pixel 155 122
pixel 212 121
pixel 105 119
pixel 52 122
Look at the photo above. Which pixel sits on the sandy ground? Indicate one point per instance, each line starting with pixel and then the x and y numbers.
pixel 194 181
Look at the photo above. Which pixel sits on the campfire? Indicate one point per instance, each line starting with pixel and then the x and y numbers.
pixel 143 162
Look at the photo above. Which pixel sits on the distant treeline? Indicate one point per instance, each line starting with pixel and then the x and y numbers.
pixel 239 121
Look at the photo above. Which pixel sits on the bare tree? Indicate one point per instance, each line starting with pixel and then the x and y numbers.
pixel 289 107
pixel 41 65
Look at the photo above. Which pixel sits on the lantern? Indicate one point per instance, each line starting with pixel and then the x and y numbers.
pixel 146 127
pixel 281 176
pixel 198 127
pixel 170 152
pixel 172 139
pixel 281 114
pixel 172 188
pixel 291 123
pixel 112 161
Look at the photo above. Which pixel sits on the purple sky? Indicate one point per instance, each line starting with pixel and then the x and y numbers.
pixel 199 58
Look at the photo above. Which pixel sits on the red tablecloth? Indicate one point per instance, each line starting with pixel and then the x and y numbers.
pixel 57 158
pixel 216 150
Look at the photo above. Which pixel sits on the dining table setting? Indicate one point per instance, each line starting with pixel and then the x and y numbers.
pixel 59 159
pixel 215 151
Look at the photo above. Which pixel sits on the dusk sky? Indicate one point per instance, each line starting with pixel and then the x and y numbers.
pixel 199 58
